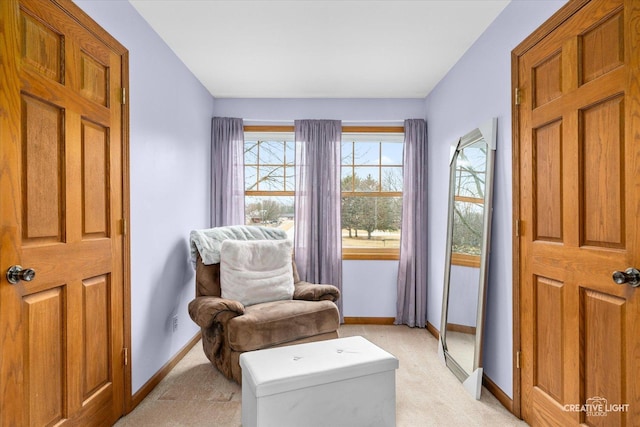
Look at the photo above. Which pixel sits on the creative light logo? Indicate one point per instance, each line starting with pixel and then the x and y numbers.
pixel 597 407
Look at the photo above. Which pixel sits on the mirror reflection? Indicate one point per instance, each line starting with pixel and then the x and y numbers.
pixel 467 249
pixel 461 322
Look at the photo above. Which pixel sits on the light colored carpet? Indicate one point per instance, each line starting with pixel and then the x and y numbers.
pixel 195 394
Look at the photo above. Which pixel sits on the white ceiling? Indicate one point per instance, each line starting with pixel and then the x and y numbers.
pixel 319 49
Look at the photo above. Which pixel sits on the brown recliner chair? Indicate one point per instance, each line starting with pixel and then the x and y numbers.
pixel 229 328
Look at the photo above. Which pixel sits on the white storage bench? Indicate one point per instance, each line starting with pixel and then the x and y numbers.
pixel 346 382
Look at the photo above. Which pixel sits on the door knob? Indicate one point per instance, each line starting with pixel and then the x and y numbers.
pixel 630 276
pixel 16 273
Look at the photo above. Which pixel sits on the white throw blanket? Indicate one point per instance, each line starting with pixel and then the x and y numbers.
pixel 207 242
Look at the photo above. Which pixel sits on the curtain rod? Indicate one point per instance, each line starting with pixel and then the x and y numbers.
pixel 343 121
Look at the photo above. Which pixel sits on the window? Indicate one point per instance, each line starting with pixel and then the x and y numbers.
pixel 371 194
pixel 371 183
pixel 269 179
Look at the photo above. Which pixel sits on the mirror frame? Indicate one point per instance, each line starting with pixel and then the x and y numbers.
pixel 472 382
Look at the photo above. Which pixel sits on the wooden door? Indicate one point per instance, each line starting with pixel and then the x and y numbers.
pixel 61 212
pixel 578 127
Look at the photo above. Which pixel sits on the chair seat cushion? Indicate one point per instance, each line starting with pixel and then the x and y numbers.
pixel 278 322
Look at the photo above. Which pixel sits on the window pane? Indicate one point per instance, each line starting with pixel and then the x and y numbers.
pixel 271 178
pixel 367 179
pixel 371 222
pixel 392 178
pixel 347 153
pixel 290 184
pixel 291 152
pixel 391 153
pixel 467 228
pixel 347 179
pixel 272 153
pixel 270 211
pixel 250 153
pixel 470 172
pixel 250 178
pixel 470 184
pixel 367 153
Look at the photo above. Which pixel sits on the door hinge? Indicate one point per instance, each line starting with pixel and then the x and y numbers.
pixel 517 228
pixel 518 359
pixel 125 356
pixel 517 96
pixel 123 95
pixel 124 227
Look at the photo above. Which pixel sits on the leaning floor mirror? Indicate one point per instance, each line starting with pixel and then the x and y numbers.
pixel 467 254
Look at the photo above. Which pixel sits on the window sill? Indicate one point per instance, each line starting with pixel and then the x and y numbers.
pixel 370 254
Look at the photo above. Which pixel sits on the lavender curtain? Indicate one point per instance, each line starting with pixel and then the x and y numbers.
pixel 317 235
pixel 227 172
pixel 411 306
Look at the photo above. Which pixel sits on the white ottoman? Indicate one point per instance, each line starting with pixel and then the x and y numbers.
pixel 341 382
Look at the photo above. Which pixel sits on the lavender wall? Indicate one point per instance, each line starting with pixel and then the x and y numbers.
pixel 369 288
pixel 476 89
pixel 170 116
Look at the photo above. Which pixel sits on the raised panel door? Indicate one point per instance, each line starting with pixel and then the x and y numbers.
pixel 61 180
pixel 579 207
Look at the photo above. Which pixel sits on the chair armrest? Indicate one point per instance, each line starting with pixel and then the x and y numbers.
pixel 312 292
pixel 207 310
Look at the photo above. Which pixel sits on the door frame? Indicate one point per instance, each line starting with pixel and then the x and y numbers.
pixel 84 20
pixel 556 20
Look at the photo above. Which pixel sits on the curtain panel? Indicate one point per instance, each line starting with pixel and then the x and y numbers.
pixel 411 308
pixel 318 234
pixel 227 172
